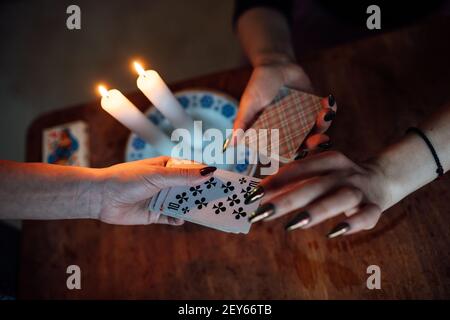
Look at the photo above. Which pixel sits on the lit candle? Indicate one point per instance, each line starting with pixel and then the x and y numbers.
pixel 155 89
pixel 123 110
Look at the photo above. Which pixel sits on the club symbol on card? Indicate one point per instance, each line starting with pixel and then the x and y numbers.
pixel 182 197
pixel 201 203
pixel 253 184
pixel 239 213
pixel 219 207
pixel 227 187
pixel 210 183
pixel 195 190
pixel 242 180
pixel 185 210
pixel 232 200
pixel 246 191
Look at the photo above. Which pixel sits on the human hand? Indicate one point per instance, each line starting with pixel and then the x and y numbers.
pixel 127 188
pixel 263 86
pixel 323 186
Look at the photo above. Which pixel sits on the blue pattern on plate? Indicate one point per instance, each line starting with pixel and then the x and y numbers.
pixel 154 117
pixel 138 143
pixel 184 101
pixel 206 101
pixel 241 167
pixel 228 110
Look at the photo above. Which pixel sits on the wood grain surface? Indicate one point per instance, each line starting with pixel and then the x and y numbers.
pixel 382 86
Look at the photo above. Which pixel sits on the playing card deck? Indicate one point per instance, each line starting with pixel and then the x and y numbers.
pixel 219 202
pixel 216 203
pixel 294 114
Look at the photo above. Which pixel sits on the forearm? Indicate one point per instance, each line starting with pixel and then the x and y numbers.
pixel 42 191
pixel 265 36
pixel 408 165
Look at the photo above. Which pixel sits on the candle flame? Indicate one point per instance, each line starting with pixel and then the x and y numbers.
pixel 103 91
pixel 140 70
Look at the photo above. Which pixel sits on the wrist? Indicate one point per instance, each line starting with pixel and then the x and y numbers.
pixel 383 193
pixel 272 58
pixel 95 185
pixel 403 167
pixel 265 36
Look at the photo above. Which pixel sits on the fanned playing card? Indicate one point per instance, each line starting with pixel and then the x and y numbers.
pixel 217 203
pixel 294 114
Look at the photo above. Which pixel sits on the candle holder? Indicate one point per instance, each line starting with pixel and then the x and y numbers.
pixel 215 110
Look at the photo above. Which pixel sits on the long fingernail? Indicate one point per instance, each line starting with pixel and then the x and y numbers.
pixel 325 145
pixel 175 221
pixel 207 170
pixel 339 230
pixel 301 154
pixel 330 115
pixel 331 100
pixel 263 212
pixel 301 220
pixel 255 194
pixel 226 143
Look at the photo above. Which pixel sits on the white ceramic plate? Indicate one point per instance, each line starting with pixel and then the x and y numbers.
pixel 215 109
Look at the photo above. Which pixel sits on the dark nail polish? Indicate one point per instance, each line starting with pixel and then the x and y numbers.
pixel 330 115
pixel 301 154
pixel 255 194
pixel 325 145
pixel 225 144
pixel 263 212
pixel 207 170
pixel 331 100
pixel 301 220
pixel 338 230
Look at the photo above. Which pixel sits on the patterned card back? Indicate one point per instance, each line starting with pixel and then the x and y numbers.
pixel 294 114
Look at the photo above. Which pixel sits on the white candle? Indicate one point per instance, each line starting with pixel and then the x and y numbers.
pixel 117 105
pixel 155 89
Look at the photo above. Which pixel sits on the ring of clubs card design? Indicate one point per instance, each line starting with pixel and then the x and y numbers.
pixel 218 203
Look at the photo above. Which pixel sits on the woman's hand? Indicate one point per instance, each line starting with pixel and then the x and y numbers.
pixel 127 188
pixel 262 88
pixel 323 186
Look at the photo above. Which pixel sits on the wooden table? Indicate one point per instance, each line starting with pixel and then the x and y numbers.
pixel 383 85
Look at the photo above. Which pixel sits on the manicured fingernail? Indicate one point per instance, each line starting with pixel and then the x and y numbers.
pixel 207 170
pixel 255 194
pixel 338 230
pixel 301 154
pixel 325 145
pixel 226 143
pixel 331 100
pixel 301 220
pixel 175 221
pixel 330 115
pixel 263 212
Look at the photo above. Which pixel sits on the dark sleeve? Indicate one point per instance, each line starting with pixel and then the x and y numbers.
pixel 283 6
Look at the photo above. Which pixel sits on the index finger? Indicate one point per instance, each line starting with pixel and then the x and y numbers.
pixel 296 171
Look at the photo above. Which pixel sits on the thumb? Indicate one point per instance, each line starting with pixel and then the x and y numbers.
pixel 180 176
